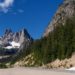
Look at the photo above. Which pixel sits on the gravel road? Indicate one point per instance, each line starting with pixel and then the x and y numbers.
pixel 32 71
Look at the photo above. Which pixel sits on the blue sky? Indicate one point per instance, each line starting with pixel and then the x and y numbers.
pixel 34 15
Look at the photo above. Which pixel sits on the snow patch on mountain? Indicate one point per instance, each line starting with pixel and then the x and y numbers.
pixel 13 44
pixel 8 47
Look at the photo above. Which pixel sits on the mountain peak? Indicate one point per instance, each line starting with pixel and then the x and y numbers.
pixel 17 37
pixel 65 11
pixel 7 31
pixel 24 31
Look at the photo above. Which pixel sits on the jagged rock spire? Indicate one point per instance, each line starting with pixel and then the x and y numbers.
pixel 19 37
pixel 7 31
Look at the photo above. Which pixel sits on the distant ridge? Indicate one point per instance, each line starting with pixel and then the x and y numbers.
pixel 17 40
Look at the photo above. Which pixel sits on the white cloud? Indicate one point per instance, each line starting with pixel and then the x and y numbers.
pixel 5 5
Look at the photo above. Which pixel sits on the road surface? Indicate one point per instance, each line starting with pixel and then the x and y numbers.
pixel 32 71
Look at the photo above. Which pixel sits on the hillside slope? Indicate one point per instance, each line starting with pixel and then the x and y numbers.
pixel 65 10
pixel 59 44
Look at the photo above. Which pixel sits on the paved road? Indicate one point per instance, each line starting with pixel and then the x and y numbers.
pixel 30 71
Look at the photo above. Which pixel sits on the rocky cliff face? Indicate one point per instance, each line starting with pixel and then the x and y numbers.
pixel 15 39
pixel 66 10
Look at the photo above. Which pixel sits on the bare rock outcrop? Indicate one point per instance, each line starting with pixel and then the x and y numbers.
pixel 65 10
